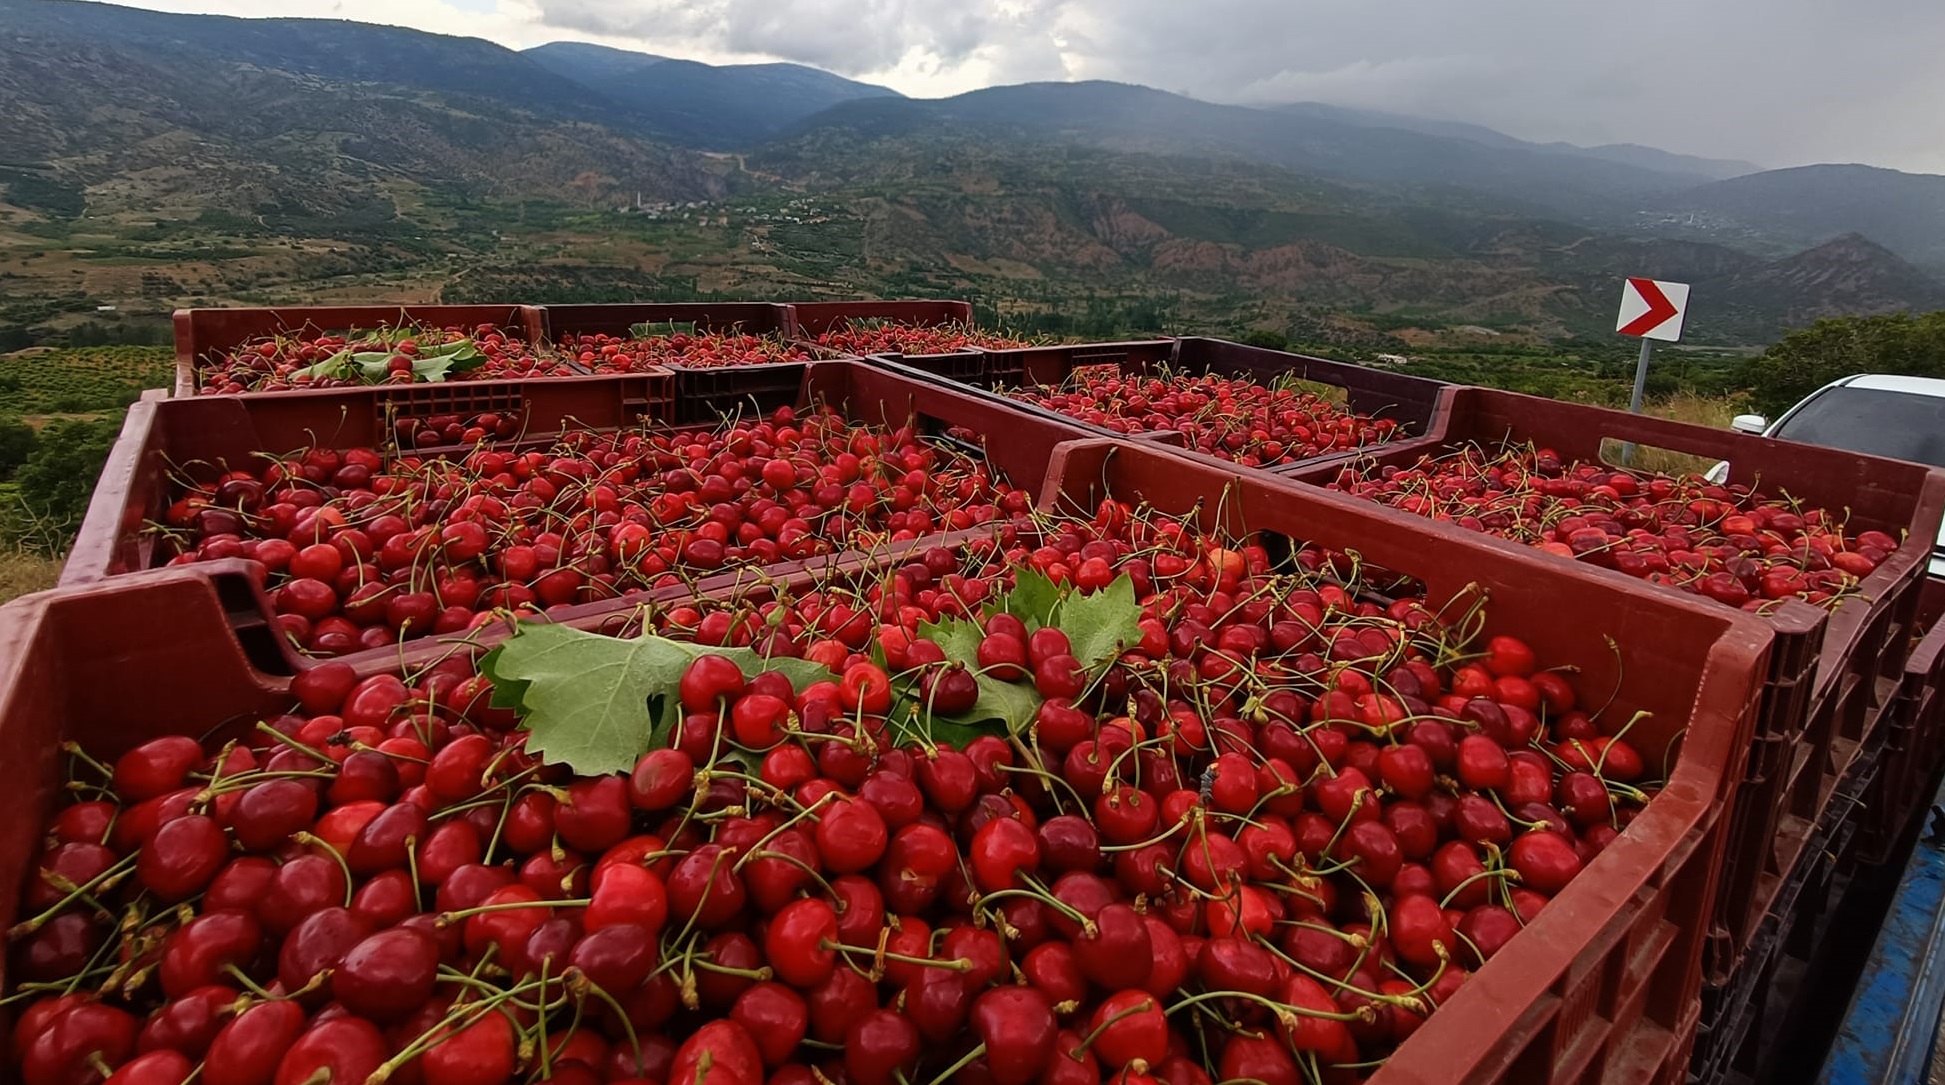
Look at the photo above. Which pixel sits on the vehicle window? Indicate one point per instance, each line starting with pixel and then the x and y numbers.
pixel 1875 422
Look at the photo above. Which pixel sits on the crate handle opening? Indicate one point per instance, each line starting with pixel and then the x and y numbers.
pixel 257 631
pixel 1636 456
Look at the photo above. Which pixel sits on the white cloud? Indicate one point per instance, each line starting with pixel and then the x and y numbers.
pixel 1777 81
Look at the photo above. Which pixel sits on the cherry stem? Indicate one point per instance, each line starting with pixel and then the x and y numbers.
pixel 957 964
pixel 447 919
pixel 412 869
pixel 1284 1011
pixel 499 829
pixel 1036 770
pixel 306 838
pixel 807 811
pixel 1047 899
pixel 292 743
pixel 771 791
pixel 473 1013
pixel 760 975
pixel 1088 1040
pixel 829 890
pixel 103 880
pixel 74 750
pixel 249 984
pixel 1177 826
pixel 1503 872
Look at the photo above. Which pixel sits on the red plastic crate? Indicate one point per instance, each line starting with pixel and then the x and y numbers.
pixel 1773 1014
pixel 1914 749
pixel 1601 987
pixel 1604 985
pixel 201 332
pixel 161 434
pixel 1412 402
pixel 1832 673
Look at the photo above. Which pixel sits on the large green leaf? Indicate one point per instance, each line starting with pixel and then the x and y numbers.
pixel 584 698
pixel 437 367
pixel 337 365
pixel 1100 626
pixel 958 637
pixel 1033 600
pixel 374 366
pixel 1011 704
pixel 597 703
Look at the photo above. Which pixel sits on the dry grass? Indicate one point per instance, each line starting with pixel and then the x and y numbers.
pixel 1714 412
pixel 22 573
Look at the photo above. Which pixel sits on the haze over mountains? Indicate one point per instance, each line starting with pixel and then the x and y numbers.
pixel 330 127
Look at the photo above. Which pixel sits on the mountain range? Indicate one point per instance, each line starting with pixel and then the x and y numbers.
pixel 343 130
pixel 699 105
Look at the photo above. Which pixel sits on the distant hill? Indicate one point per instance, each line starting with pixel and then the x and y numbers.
pixel 1905 212
pixel 1042 213
pixel 1131 118
pixel 121 110
pixel 1654 158
pixel 584 61
pixel 701 105
pixel 1626 154
pixel 339 51
pixel 1849 275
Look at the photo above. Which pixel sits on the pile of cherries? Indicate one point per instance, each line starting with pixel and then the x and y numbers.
pixel 359 551
pixel 1730 543
pixel 1263 844
pixel 866 337
pixel 1232 418
pixel 273 363
pixel 687 350
pixel 447 430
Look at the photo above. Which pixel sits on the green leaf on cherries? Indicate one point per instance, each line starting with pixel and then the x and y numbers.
pixel 436 367
pixel 597 703
pixel 1013 704
pixel 1100 625
pixel 1002 708
pixel 908 723
pixel 958 637
pixel 1033 600
pixel 337 365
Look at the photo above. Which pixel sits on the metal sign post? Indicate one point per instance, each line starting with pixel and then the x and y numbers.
pixel 1641 374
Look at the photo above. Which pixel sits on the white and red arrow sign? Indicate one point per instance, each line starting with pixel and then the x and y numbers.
pixel 1653 309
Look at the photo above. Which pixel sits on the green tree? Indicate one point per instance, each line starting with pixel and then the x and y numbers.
pixel 17 443
pixel 1809 358
pixel 51 490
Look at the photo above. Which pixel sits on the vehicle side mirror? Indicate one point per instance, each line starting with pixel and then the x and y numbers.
pixel 1749 423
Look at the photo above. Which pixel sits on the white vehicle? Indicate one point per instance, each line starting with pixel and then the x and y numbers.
pixel 1902 418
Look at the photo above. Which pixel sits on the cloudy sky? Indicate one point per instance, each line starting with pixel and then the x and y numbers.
pixel 1777 82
